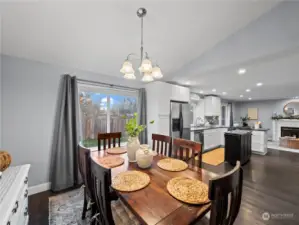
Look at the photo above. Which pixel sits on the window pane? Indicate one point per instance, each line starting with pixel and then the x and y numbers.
pixel 93 111
pixel 120 106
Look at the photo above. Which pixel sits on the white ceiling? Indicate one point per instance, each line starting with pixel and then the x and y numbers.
pixel 268 48
pixel 201 42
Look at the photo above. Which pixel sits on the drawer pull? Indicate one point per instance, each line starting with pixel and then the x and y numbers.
pixel 15 209
pixel 26 211
pixel 26 193
pixel 26 180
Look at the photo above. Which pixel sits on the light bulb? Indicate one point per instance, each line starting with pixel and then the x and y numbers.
pixel 147 77
pixel 156 72
pixel 127 67
pixel 146 66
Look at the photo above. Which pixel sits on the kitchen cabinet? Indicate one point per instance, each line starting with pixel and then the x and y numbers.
pixel 214 138
pixel 212 106
pixel 259 142
pixel 159 95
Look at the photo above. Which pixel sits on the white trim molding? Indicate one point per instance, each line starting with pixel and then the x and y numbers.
pixel 39 188
pixel 277 124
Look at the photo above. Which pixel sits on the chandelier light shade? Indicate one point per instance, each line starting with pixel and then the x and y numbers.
pixel 147 77
pixel 130 76
pixel 146 66
pixel 156 72
pixel 127 67
pixel 146 69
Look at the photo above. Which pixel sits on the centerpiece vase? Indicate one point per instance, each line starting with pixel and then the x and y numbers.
pixel 132 146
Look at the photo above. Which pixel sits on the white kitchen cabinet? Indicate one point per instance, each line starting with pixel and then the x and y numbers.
pixel 213 138
pixel 159 95
pixel 259 142
pixel 212 106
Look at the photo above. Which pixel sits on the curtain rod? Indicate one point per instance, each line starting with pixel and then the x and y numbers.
pixel 106 84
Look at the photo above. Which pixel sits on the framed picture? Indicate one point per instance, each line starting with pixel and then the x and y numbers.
pixel 252 113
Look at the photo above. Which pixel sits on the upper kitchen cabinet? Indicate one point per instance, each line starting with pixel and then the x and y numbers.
pixel 179 93
pixel 212 106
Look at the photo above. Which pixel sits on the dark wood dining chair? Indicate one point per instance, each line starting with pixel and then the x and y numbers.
pixel 108 212
pixel 85 171
pixel 188 151
pixel 225 193
pixel 107 137
pixel 162 144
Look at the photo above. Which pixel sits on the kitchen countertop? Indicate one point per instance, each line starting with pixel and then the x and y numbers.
pixel 192 129
pixel 206 128
pixel 252 129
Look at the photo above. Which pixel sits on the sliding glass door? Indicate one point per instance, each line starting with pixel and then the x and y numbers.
pixel 102 110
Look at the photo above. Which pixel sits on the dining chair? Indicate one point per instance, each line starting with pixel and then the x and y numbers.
pixel 108 136
pixel 225 193
pixel 85 171
pixel 162 144
pixel 188 151
pixel 108 212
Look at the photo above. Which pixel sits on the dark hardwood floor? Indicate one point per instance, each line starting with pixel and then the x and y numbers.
pixel 271 185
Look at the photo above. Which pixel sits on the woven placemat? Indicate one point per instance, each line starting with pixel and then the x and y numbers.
pixel 116 151
pixel 130 181
pixel 188 190
pixel 170 164
pixel 111 161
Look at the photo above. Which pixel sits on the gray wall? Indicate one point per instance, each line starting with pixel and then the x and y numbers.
pixel 29 92
pixel 265 111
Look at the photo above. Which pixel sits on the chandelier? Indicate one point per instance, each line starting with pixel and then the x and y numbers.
pixel 146 68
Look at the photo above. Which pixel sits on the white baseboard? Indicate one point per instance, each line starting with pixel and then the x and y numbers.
pixel 275 145
pixel 39 188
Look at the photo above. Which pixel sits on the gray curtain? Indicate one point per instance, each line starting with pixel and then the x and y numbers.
pixel 142 114
pixel 64 171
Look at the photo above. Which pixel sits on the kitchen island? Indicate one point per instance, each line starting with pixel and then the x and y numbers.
pixel 212 137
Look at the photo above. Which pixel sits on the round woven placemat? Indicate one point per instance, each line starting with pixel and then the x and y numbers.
pixel 188 190
pixel 172 164
pixel 130 181
pixel 116 151
pixel 111 161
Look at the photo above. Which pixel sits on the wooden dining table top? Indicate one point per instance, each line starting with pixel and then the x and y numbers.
pixel 153 205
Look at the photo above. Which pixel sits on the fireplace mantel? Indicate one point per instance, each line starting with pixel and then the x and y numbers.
pixel 277 124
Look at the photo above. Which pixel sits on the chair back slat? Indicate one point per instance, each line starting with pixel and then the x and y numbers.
pixel 108 136
pixel 162 144
pixel 85 167
pixel 187 151
pixel 102 180
pixel 225 192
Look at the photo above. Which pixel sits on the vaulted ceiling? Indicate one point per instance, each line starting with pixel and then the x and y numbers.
pixel 198 43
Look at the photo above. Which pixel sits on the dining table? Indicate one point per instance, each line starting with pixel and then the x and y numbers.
pixel 153 205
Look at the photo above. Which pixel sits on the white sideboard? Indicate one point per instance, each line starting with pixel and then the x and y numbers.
pixel 14 196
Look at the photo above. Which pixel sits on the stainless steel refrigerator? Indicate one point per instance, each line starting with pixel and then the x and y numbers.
pixel 181 117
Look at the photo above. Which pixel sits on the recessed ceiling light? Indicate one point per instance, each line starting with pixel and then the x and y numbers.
pixel 249 98
pixel 241 96
pixel 241 71
pixel 248 90
pixel 187 82
pixel 201 92
pixel 214 90
pixel 224 93
pixel 259 84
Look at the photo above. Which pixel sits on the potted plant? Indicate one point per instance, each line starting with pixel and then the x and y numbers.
pixel 245 120
pixel 133 129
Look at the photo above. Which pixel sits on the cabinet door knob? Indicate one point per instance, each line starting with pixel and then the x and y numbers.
pixel 15 209
pixel 8 223
pixel 26 193
pixel 26 180
pixel 26 211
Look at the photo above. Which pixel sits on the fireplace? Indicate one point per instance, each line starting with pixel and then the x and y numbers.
pixel 290 131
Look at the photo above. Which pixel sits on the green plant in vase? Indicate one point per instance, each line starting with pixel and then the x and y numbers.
pixel 133 129
pixel 245 120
